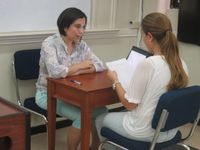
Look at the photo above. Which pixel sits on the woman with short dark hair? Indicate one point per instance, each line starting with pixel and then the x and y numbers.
pixel 66 54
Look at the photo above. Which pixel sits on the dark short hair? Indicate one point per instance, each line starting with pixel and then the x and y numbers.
pixel 67 17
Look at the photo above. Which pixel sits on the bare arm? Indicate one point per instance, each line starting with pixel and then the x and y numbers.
pixel 121 92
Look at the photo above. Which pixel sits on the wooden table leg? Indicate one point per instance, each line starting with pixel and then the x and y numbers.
pixel 51 123
pixel 85 126
pixel 51 117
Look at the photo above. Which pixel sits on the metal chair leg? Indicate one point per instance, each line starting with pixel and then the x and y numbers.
pixel 184 145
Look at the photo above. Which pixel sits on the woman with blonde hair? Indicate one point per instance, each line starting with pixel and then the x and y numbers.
pixel 162 72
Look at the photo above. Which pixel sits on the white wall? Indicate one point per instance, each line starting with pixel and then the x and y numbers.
pixel 35 15
pixel 191 54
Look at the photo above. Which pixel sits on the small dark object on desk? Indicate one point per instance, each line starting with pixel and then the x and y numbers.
pixel 75 81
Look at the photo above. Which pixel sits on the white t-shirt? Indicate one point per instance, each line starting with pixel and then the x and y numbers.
pixel 147 85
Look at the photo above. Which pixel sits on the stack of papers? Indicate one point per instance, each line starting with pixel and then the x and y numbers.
pixel 125 67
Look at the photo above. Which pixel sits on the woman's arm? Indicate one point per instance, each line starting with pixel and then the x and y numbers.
pixel 133 96
pixel 88 70
pixel 48 57
pixel 120 91
pixel 97 63
pixel 90 64
pixel 81 68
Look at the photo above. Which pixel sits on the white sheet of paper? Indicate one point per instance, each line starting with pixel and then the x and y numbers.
pixel 134 58
pixel 125 67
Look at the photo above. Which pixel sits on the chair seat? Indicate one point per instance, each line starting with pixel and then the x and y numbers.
pixel 134 144
pixel 30 104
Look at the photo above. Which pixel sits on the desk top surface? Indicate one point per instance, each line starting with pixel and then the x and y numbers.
pixel 89 82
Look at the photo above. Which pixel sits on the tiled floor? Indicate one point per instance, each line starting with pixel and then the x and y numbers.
pixel 195 139
pixel 39 141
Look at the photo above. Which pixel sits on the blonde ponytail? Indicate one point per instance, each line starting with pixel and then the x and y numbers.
pixel 160 27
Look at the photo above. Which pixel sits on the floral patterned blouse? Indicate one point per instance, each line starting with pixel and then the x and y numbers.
pixel 54 59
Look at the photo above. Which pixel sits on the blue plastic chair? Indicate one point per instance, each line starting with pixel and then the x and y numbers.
pixel 25 68
pixel 174 109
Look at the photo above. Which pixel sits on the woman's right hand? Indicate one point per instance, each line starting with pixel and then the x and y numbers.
pixel 85 64
pixel 83 67
pixel 112 75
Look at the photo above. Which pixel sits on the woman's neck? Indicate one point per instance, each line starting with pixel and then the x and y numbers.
pixel 67 41
pixel 156 50
pixel 70 44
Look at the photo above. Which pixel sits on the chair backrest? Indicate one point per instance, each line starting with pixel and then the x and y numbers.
pixel 175 108
pixel 183 106
pixel 26 64
pixel 25 67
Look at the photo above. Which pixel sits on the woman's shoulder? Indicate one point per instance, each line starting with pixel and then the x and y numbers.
pixel 52 37
pixel 155 61
pixel 155 57
pixel 52 40
pixel 146 63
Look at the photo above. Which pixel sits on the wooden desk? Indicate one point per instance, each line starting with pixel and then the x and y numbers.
pixel 95 91
pixel 15 124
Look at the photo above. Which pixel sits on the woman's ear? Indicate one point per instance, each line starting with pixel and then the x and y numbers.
pixel 149 37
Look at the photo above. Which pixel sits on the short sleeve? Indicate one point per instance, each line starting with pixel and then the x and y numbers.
pixel 139 81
